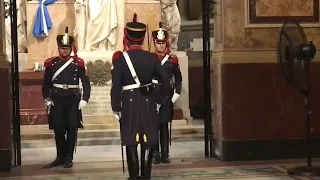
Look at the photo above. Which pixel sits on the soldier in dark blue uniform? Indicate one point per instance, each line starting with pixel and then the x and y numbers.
pixel 171 67
pixel 64 99
pixel 132 100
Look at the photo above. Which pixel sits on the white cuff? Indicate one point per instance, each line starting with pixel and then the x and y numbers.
pixel 82 104
pixel 175 97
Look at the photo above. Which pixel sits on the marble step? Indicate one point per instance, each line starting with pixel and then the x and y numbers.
pixel 107 133
pixel 95 141
pixel 39 136
pixel 97 125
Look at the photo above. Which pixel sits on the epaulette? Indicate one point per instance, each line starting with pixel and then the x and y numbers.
pixel 80 62
pixel 174 59
pixel 48 62
pixel 116 55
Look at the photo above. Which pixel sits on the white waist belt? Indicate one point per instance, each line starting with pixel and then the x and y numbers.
pixel 155 81
pixel 132 86
pixel 66 86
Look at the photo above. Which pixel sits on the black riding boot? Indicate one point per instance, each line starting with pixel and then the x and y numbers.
pixel 60 145
pixel 164 142
pixel 146 163
pixel 132 162
pixel 156 155
pixel 71 142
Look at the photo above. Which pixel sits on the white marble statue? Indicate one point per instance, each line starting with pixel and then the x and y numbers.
pixel 21 30
pixel 171 20
pixel 96 25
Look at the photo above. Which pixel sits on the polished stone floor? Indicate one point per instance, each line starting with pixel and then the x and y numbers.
pixel 186 169
pixel 104 162
pixel 30 156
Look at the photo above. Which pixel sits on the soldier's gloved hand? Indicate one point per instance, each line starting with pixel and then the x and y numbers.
pixel 48 102
pixel 82 104
pixel 175 97
pixel 117 115
pixel 158 107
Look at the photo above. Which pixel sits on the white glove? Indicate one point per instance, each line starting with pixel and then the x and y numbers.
pixel 158 107
pixel 117 115
pixel 48 102
pixel 82 104
pixel 175 97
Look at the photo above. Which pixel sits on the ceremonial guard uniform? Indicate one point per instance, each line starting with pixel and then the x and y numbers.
pixel 64 99
pixel 171 67
pixel 131 99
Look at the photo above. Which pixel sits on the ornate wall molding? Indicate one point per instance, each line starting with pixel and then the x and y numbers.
pixel 272 13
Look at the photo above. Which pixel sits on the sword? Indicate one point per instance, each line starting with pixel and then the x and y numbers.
pixel 170 132
pixel 123 171
pixel 149 44
pixel 76 140
pixel 119 118
pixel 76 134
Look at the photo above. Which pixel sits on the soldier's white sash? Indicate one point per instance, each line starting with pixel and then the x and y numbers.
pixel 164 59
pixel 133 73
pixel 61 69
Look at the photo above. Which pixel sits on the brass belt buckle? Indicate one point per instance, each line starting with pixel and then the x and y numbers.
pixel 65 86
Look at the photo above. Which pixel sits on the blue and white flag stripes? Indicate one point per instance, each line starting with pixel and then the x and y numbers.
pixel 43 23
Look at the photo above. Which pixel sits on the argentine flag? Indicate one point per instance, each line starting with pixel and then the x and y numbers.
pixel 43 23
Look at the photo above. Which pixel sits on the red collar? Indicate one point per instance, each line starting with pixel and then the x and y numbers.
pixel 65 59
pixel 160 56
pixel 135 47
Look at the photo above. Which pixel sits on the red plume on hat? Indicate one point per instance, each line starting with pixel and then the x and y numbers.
pixel 135 17
pixel 160 24
pixel 124 42
pixel 75 50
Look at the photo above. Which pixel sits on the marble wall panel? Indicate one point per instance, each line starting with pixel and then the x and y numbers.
pixel 275 8
pixel 62 15
pixel 148 12
pixel 236 36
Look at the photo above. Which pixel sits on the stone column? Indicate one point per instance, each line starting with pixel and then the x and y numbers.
pixel 257 115
pixel 183 6
pixel 5 99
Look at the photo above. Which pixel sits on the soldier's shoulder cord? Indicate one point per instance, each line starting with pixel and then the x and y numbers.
pixel 116 55
pixel 48 62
